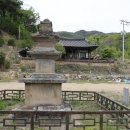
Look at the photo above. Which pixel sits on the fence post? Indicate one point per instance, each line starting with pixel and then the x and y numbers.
pixel 32 122
pixel 67 121
pixel 101 121
pixel 19 95
pixel 95 97
pixel 4 94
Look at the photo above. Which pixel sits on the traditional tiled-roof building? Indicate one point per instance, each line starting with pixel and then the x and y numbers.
pixel 77 48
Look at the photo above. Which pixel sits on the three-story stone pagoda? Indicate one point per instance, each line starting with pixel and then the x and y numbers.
pixel 43 88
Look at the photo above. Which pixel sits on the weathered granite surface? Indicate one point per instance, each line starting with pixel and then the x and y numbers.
pixel 44 53
pixel 45 27
pixel 43 78
pixel 43 88
pixel 43 94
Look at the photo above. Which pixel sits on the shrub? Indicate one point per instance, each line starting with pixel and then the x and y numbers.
pixel 1 42
pixel 2 59
pixel 108 52
pixel 11 42
pixel 60 48
pixel 7 64
pixel 23 68
pixel 24 43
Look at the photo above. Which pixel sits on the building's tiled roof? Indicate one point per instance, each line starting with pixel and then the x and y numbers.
pixel 75 43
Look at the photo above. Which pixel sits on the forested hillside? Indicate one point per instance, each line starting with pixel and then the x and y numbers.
pixel 16 26
pixel 77 34
pixel 17 21
pixel 12 13
pixel 111 43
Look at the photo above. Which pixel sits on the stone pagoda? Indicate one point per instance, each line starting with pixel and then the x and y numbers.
pixel 43 87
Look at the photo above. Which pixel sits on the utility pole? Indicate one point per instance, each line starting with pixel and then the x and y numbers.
pixel 123 22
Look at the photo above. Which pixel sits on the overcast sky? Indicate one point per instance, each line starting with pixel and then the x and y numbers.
pixel 74 15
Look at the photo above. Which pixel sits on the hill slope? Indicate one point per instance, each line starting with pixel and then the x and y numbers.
pixel 77 34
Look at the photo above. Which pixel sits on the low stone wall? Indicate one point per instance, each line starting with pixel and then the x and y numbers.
pixel 11 75
pixel 93 77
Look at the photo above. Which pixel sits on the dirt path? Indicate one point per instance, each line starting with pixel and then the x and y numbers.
pixel 107 87
pixel 102 87
pixel 11 85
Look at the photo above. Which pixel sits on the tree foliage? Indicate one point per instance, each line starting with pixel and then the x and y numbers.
pixel 109 53
pixel 1 42
pixel 78 34
pixel 15 20
pixel 60 48
pixel 24 43
pixel 12 16
pixel 10 8
pixel 112 43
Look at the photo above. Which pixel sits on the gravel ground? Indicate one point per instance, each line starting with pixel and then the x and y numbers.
pixel 100 87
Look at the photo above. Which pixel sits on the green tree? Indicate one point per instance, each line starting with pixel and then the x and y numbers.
pixel 8 15
pixel 60 48
pixel 29 16
pixel 24 43
pixel 108 53
pixel 7 25
pixel 111 41
pixel 12 16
pixel 9 7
